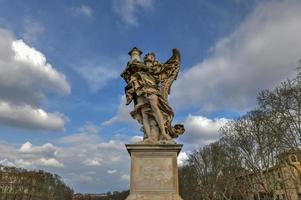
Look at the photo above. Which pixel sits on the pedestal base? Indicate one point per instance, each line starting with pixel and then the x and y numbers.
pixel 154 197
pixel 154 172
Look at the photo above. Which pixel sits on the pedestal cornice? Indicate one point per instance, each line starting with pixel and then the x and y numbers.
pixel 154 148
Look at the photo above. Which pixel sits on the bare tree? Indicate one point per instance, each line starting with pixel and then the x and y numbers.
pixel 283 108
pixel 257 150
pixel 188 183
pixel 214 172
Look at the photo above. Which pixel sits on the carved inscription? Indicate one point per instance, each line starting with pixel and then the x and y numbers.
pixel 154 174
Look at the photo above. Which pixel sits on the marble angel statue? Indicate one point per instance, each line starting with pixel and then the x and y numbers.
pixel 148 86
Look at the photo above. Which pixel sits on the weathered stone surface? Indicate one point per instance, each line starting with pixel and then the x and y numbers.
pixel 154 172
pixel 148 84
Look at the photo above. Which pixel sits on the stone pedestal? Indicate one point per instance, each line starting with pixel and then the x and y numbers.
pixel 154 172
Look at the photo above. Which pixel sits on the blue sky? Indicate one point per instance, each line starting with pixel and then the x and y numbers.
pixel 61 102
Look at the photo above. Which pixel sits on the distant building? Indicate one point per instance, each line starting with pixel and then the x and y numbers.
pixel 282 180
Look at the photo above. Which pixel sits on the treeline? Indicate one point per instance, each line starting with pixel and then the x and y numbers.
pixel 108 196
pixel 21 184
pixel 257 154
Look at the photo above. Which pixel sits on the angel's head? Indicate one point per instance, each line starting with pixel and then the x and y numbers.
pixel 149 58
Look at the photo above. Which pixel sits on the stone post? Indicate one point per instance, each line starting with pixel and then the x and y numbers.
pixel 154 171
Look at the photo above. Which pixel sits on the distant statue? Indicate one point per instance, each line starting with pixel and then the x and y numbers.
pixel 148 86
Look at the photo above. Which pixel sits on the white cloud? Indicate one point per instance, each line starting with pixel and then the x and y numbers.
pixel 32 30
pixel 80 178
pixel 81 153
pixel 26 147
pixel 113 171
pixel 93 153
pixel 24 163
pixel 28 117
pixel 79 138
pixel 47 149
pixel 201 130
pixel 111 145
pixel 98 72
pixel 122 115
pixel 89 128
pixel 182 158
pixel 97 77
pixel 136 139
pixel 25 76
pixel 106 157
pixel 6 162
pixel 93 162
pixel 125 177
pixel 51 162
pixel 83 10
pixel 259 54
pixel 128 9
pixel 32 62
pixel 30 156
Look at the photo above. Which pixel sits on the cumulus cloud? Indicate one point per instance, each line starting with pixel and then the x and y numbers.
pixel 86 161
pixel 38 163
pixel 86 166
pixel 201 130
pixel 32 62
pixel 51 162
pixel 47 150
pixel 25 77
pixel 29 156
pixel 105 158
pixel 128 9
pixel 38 156
pixel 25 116
pixel 259 54
pixel 83 10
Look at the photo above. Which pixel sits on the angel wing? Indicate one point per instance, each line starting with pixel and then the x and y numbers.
pixel 169 73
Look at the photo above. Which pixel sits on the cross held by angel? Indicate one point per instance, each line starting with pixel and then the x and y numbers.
pixel 148 86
